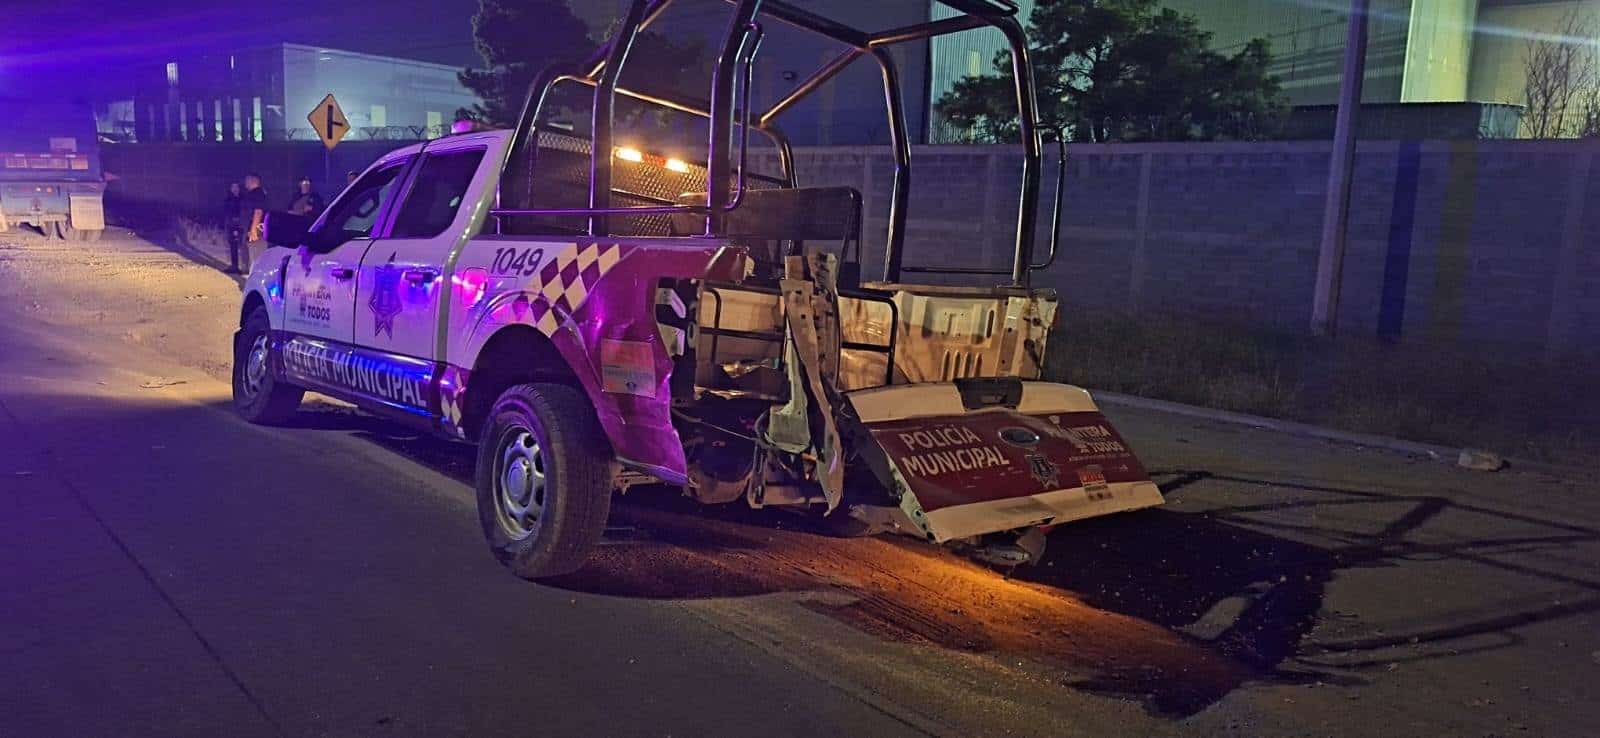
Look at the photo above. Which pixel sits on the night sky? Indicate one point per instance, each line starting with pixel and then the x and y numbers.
pixel 84 47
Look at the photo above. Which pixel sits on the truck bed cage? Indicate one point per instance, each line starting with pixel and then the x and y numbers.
pixel 725 109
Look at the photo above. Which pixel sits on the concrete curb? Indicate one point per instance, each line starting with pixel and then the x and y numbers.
pixel 1446 454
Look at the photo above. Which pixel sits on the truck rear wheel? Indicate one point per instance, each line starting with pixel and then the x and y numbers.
pixel 257 395
pixel 544 478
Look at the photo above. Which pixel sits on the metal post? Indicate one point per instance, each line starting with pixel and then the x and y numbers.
pixel 1028 123
pixel 718 167
pixel 900 141
pixel 604 103
pixel 1336 211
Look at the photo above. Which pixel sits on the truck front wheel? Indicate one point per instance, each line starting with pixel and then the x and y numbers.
pixel 544 479
pixel 257 395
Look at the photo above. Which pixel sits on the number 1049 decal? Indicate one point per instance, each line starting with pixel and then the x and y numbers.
pixel 520 261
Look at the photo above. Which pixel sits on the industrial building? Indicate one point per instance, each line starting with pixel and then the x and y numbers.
pixel 1419 51
pixel 264 94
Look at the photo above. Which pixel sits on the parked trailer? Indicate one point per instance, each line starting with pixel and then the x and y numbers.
pixel 50 169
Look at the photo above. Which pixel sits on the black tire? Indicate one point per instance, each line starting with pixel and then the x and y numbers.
pixel 543 507
pixel 257 396
pixel 69 233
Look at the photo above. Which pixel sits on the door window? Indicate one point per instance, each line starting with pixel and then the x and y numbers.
pixel 441 184
pixel 353 215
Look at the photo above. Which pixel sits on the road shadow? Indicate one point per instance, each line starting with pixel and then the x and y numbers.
pixel 1252 586
pixel 1176 609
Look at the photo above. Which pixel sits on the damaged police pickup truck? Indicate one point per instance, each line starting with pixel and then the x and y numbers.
pixel 595 313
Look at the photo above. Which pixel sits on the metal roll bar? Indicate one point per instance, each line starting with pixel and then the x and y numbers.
pixel 900 194
pixel 605 100
pixel 600 190
pixel 603 70
pixel 740 27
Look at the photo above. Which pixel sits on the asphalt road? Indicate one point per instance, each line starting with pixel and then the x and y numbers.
pixel 166 569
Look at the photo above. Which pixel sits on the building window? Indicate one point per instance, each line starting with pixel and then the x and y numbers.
pixel 172 74
pixel 974 63
pixel 255 119
pixel 216 118
pixel 238 118
pixel 435 124
pixel 379 116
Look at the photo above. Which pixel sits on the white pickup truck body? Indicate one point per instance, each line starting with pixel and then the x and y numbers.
pixel 595 315
pixel 413 310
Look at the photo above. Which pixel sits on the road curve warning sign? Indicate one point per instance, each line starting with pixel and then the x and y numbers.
pixel 328 120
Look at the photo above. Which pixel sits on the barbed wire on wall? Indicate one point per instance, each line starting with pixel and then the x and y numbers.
pixel 365 133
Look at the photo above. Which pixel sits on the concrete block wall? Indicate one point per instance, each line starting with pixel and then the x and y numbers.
pixel 1480 243
pixel 1491 243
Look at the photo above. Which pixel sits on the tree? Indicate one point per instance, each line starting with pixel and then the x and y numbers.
pixel 518 38
pixel 1122 70
pixel 1563 79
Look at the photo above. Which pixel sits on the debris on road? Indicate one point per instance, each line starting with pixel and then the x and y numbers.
pixel 161 382
pixel 1479 460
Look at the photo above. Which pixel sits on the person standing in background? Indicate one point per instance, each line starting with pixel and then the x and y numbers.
pixel 233 225
pixel 253 213
pixel 305 201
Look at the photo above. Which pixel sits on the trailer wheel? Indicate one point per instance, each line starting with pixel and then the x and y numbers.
pixel 257 395
pixel 69 233
pixel 544 478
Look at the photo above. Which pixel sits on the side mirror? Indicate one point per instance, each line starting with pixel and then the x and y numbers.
pixel 286 229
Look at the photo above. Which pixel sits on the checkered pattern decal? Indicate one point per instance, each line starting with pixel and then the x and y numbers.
pixel 565 281
pixel 452 398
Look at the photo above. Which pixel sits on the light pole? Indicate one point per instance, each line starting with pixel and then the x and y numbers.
pixel 1336 210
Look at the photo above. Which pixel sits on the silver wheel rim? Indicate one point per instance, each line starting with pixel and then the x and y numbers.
pixel 519 483
pixel 255 367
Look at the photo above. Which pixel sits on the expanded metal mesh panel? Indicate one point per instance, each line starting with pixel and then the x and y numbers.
pixel 558 177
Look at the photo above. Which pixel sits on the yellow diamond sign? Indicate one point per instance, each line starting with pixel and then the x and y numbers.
pixel 328 120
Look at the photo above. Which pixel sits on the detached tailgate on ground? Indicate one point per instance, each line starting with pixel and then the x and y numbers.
pixel 987 456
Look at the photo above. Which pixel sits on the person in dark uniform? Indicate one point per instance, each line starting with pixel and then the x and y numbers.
pixel 253 215
pixel 306 201
pixel 233 225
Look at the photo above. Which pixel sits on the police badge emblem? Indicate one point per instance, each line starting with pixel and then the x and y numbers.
pixel 1044 470
pixel 385 302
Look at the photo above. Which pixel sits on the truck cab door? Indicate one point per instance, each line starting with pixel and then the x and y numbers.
pixel 320 282
pixel 403 275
